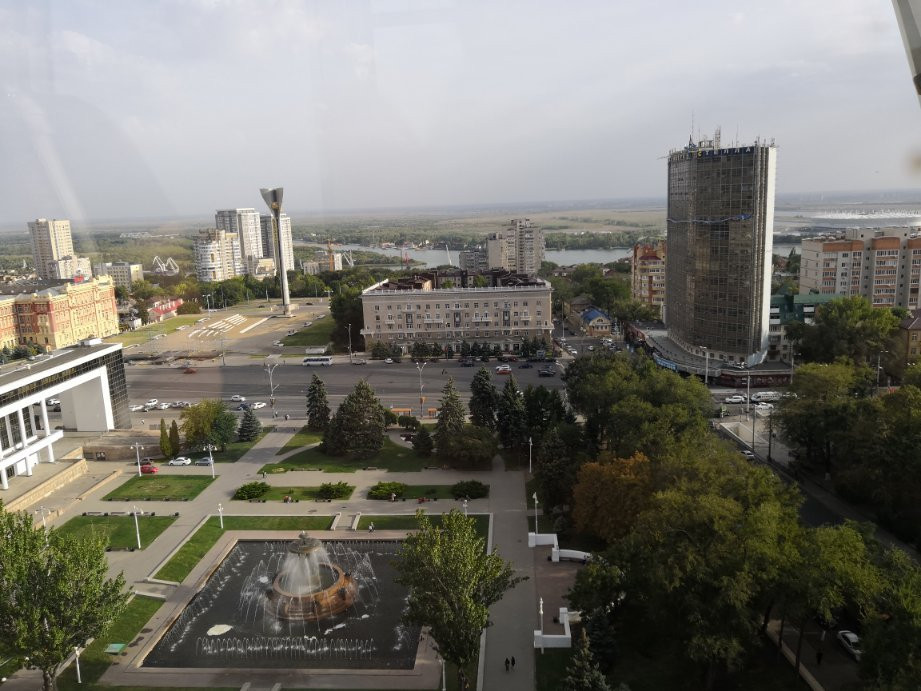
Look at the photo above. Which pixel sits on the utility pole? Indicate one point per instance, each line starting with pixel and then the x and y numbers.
pixel 350 343
pixel 270 369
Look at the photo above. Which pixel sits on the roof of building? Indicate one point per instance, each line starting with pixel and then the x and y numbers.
pixel 20 372
pixel 593 313
pixel 457 279
pixel 52 286
pixel 913 321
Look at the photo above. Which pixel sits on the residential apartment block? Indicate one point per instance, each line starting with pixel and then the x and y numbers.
pixel 123 273
pixel 217 255
pixel 248 227
pixel 473 260
pixel 53 251
pixel 284 238
pixel 911 331
pixel 784 310
pixel 881 264
pixel 57 314
pixel 445 308
pixel 647 274
pixel 518 248
pixel 718 274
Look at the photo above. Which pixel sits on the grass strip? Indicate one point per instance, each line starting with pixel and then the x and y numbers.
pixel 119 530
pixel 160 488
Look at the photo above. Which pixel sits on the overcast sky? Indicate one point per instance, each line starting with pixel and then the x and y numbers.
pixel 141 108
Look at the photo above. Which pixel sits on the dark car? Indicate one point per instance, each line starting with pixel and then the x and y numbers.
pixel 243 406
pixel 547 372
pixel 203 461
pixel 407 437
pixel 525 365
pixel 466 363
pixel 146 461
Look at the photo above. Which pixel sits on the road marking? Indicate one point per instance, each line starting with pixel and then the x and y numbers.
pixel 253 325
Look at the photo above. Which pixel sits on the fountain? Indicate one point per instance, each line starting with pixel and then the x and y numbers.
pixel 298 604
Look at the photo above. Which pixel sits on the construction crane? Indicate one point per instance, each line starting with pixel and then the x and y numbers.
pixel 448 252
pixel 165 267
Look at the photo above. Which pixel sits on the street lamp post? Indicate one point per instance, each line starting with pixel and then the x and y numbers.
pixel 530 446
pixel 541 611
pixel 220 513
pixel 536 530
pixel 420 367
pixel 350 343
pixel 465 508
pixel 207 297
pixel 211 448
pixel 137 452
pixel 269 369
pixel 879 356
pixel 42 510
pixel 137 528
pixel 77 659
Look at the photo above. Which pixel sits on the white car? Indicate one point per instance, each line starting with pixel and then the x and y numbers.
pixel 277 344
pixel 257 405
pixel 764 406
pixel 734 399
pixel 137 408
pixel 53 401
pixel 850 641
pixel 591 347
pixel 180 460
pixel 503 369
pixel 306 324
pixel 152 402
pixel 237 398
pixel 389 361
pixel 321 316
pixel 748 454
pixel 163 406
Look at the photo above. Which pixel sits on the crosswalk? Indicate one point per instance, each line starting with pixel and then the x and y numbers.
pixel 218 328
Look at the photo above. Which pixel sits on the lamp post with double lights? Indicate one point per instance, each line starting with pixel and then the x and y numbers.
pixel 42 510
pixel 137 452
pixel 137 528
pixel 77 661
pixel 270 369
pixel 530 447
pixel 211 448
pixel 536 530
pixel 420 367
pixel 879 357
pixel 220 513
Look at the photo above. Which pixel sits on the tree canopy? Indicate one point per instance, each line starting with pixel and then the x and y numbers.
pixel 317 405
pixel 358 425
pixel 208 422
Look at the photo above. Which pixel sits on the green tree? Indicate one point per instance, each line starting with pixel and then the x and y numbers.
pixel 452 583
pixel 174 439
pixel 510 417
pixel 56 595
pixel 317 405
pixel 555 469
pixel 358 425
pixel 483 399
pixel 472 448
pixel 583 673
pixel 166 448
pixel 422 442
pixel 208 422
pixel 189 308
pixel 250 427
pixel 451 418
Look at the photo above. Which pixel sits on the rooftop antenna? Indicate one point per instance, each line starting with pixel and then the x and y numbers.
pixel 716 137
pixel 737 134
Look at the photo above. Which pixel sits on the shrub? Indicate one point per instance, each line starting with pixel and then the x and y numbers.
pixel 408 422
pixel 383 490
pixel 251 490
pixel 334 490
pixel 469 489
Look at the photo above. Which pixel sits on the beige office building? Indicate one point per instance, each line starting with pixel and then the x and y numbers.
pixel 217 255
pixel 53 250
pixel 647 274
pixel 882 265
pixel 444 308
pixel 123 273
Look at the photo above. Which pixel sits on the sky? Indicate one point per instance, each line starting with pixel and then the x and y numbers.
pixel 174 108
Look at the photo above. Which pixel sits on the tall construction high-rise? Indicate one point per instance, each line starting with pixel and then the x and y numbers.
pixel 518 248
pixel 284 237
pixel 53 250
pixel 718 268
pixel 217 255
pixel 248 227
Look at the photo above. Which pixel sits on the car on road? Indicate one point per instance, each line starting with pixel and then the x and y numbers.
pixel 146 461
pixel 546 372
pixel 149 469
pixel 734 399
pixel 53 401
pixel 180 460
pixel 503 369
pixel 137 408
pixel 306 324
pixel 359 362
pixel 748 454
pixel 389 361
pixel 258 404
pixel 850 641
pixel 237 398
pixel 466 363
pixel 525 365
pixel 243 406
pixel 163 406
pixel 152 402
pixel 764 406
pixel 203 461
pixel 277 344
pixel 189 370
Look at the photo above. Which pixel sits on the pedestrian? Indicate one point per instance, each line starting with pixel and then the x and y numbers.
pixel 513 662
pixel 370 527
pixel 443 371
pixel 287 417
pixel 506 664
pixel 263 475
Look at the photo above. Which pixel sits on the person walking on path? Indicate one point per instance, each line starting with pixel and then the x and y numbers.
pixel 506 664
pixel 513 662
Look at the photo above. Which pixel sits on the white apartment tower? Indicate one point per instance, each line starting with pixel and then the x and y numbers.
pixel 246 224
pixel 518 248
pixel 51 241
pixel 284 238
pixel 217 255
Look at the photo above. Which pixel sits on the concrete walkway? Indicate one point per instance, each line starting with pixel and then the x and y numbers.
pixel 514 617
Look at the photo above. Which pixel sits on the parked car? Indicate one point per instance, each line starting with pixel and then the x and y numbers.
pixel 149 469
pixel 53 401
pixel 764 406
pixel 258 404
pixel 243 406
pixel 734 399
pixel 277 344
pixel 164 406
pixel 306 324
pixel 850 641
pixel 407 436
pixel 748 454
pixel 591 347
pixel 180 460
pixel 137 408
pixel 359 362
pixel 152 402
pixel 525 365
pixel 546 372
pixel 203 461
pixel 503 369
pixel 237 398
pixel 320 316
pixel 389 361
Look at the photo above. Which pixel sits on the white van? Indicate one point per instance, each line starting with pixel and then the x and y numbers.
pixel 765 396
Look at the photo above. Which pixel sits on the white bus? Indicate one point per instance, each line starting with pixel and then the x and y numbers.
pixel 318 361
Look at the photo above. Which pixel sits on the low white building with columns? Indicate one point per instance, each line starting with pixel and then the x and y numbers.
pixel 89 382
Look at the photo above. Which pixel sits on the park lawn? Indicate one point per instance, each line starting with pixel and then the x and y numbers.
pixel 408 522
pixel 392 457
pixel 550 667
pixel 187 556
pixel 160 488
pixel 145 333
pixel 119 529
pixel 94 661
pixel 303 437
pixel 235 449
pixel 320 333
pixel 305 493
pixel 428 491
